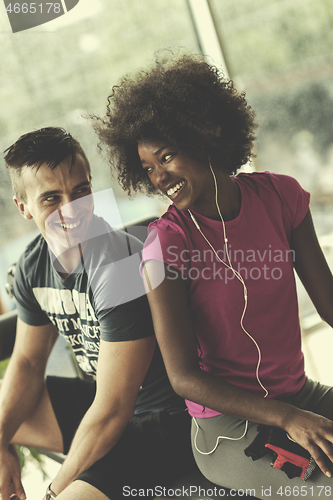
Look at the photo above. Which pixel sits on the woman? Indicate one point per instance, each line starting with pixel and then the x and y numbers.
pixel 225 314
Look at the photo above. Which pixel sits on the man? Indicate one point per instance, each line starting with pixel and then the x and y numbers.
pixel 80 278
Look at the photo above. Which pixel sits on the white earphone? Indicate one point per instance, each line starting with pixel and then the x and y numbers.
pixel 229 265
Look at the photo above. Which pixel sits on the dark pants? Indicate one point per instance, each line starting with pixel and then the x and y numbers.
pixel 152 458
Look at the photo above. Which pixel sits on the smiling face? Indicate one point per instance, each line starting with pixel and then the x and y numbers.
pixel 59 201
pixel 186 182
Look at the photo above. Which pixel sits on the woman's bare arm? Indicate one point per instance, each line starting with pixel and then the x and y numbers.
pixel 177 341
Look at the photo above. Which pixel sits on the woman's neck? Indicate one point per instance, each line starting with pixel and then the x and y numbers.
pixel 228 198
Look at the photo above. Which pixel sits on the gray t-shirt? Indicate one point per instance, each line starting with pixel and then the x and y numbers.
pixel 103 298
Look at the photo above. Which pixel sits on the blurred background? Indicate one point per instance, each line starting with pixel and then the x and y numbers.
pixel 277 51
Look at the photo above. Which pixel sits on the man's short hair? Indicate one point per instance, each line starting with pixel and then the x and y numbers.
pixel 50 145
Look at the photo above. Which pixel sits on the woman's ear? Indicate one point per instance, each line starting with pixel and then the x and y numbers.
pixel 22 208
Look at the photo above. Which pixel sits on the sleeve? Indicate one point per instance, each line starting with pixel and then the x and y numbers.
pixel 116 288
pixel 28 309
pixel 113 276
pixel 295 198
pixel 129 321
pixel 167 243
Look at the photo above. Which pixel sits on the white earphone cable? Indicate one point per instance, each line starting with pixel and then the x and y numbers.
pixel 218 438
pixel 229 265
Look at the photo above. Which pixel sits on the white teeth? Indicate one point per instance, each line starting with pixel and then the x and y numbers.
pixel 70 226
pixel 176 188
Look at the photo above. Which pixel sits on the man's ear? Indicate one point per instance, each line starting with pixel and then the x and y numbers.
pixel 22 208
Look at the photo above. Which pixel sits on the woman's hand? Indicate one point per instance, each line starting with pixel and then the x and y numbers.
pixel 314 433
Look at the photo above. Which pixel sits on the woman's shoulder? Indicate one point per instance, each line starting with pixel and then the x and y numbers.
pixel 278 192
pixel 268 180
pixel 173 220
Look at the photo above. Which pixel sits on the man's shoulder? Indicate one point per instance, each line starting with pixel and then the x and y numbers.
pixel 37 245
pixel 112 245
pixel 33 255
pixel 31 271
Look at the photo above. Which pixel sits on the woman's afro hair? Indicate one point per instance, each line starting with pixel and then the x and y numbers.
pixel 182 102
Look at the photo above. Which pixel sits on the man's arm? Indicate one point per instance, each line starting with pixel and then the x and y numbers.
pixel 20 392
pixel 121 369
pixel 177 341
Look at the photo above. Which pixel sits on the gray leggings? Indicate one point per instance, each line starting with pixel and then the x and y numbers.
pixel 228 466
